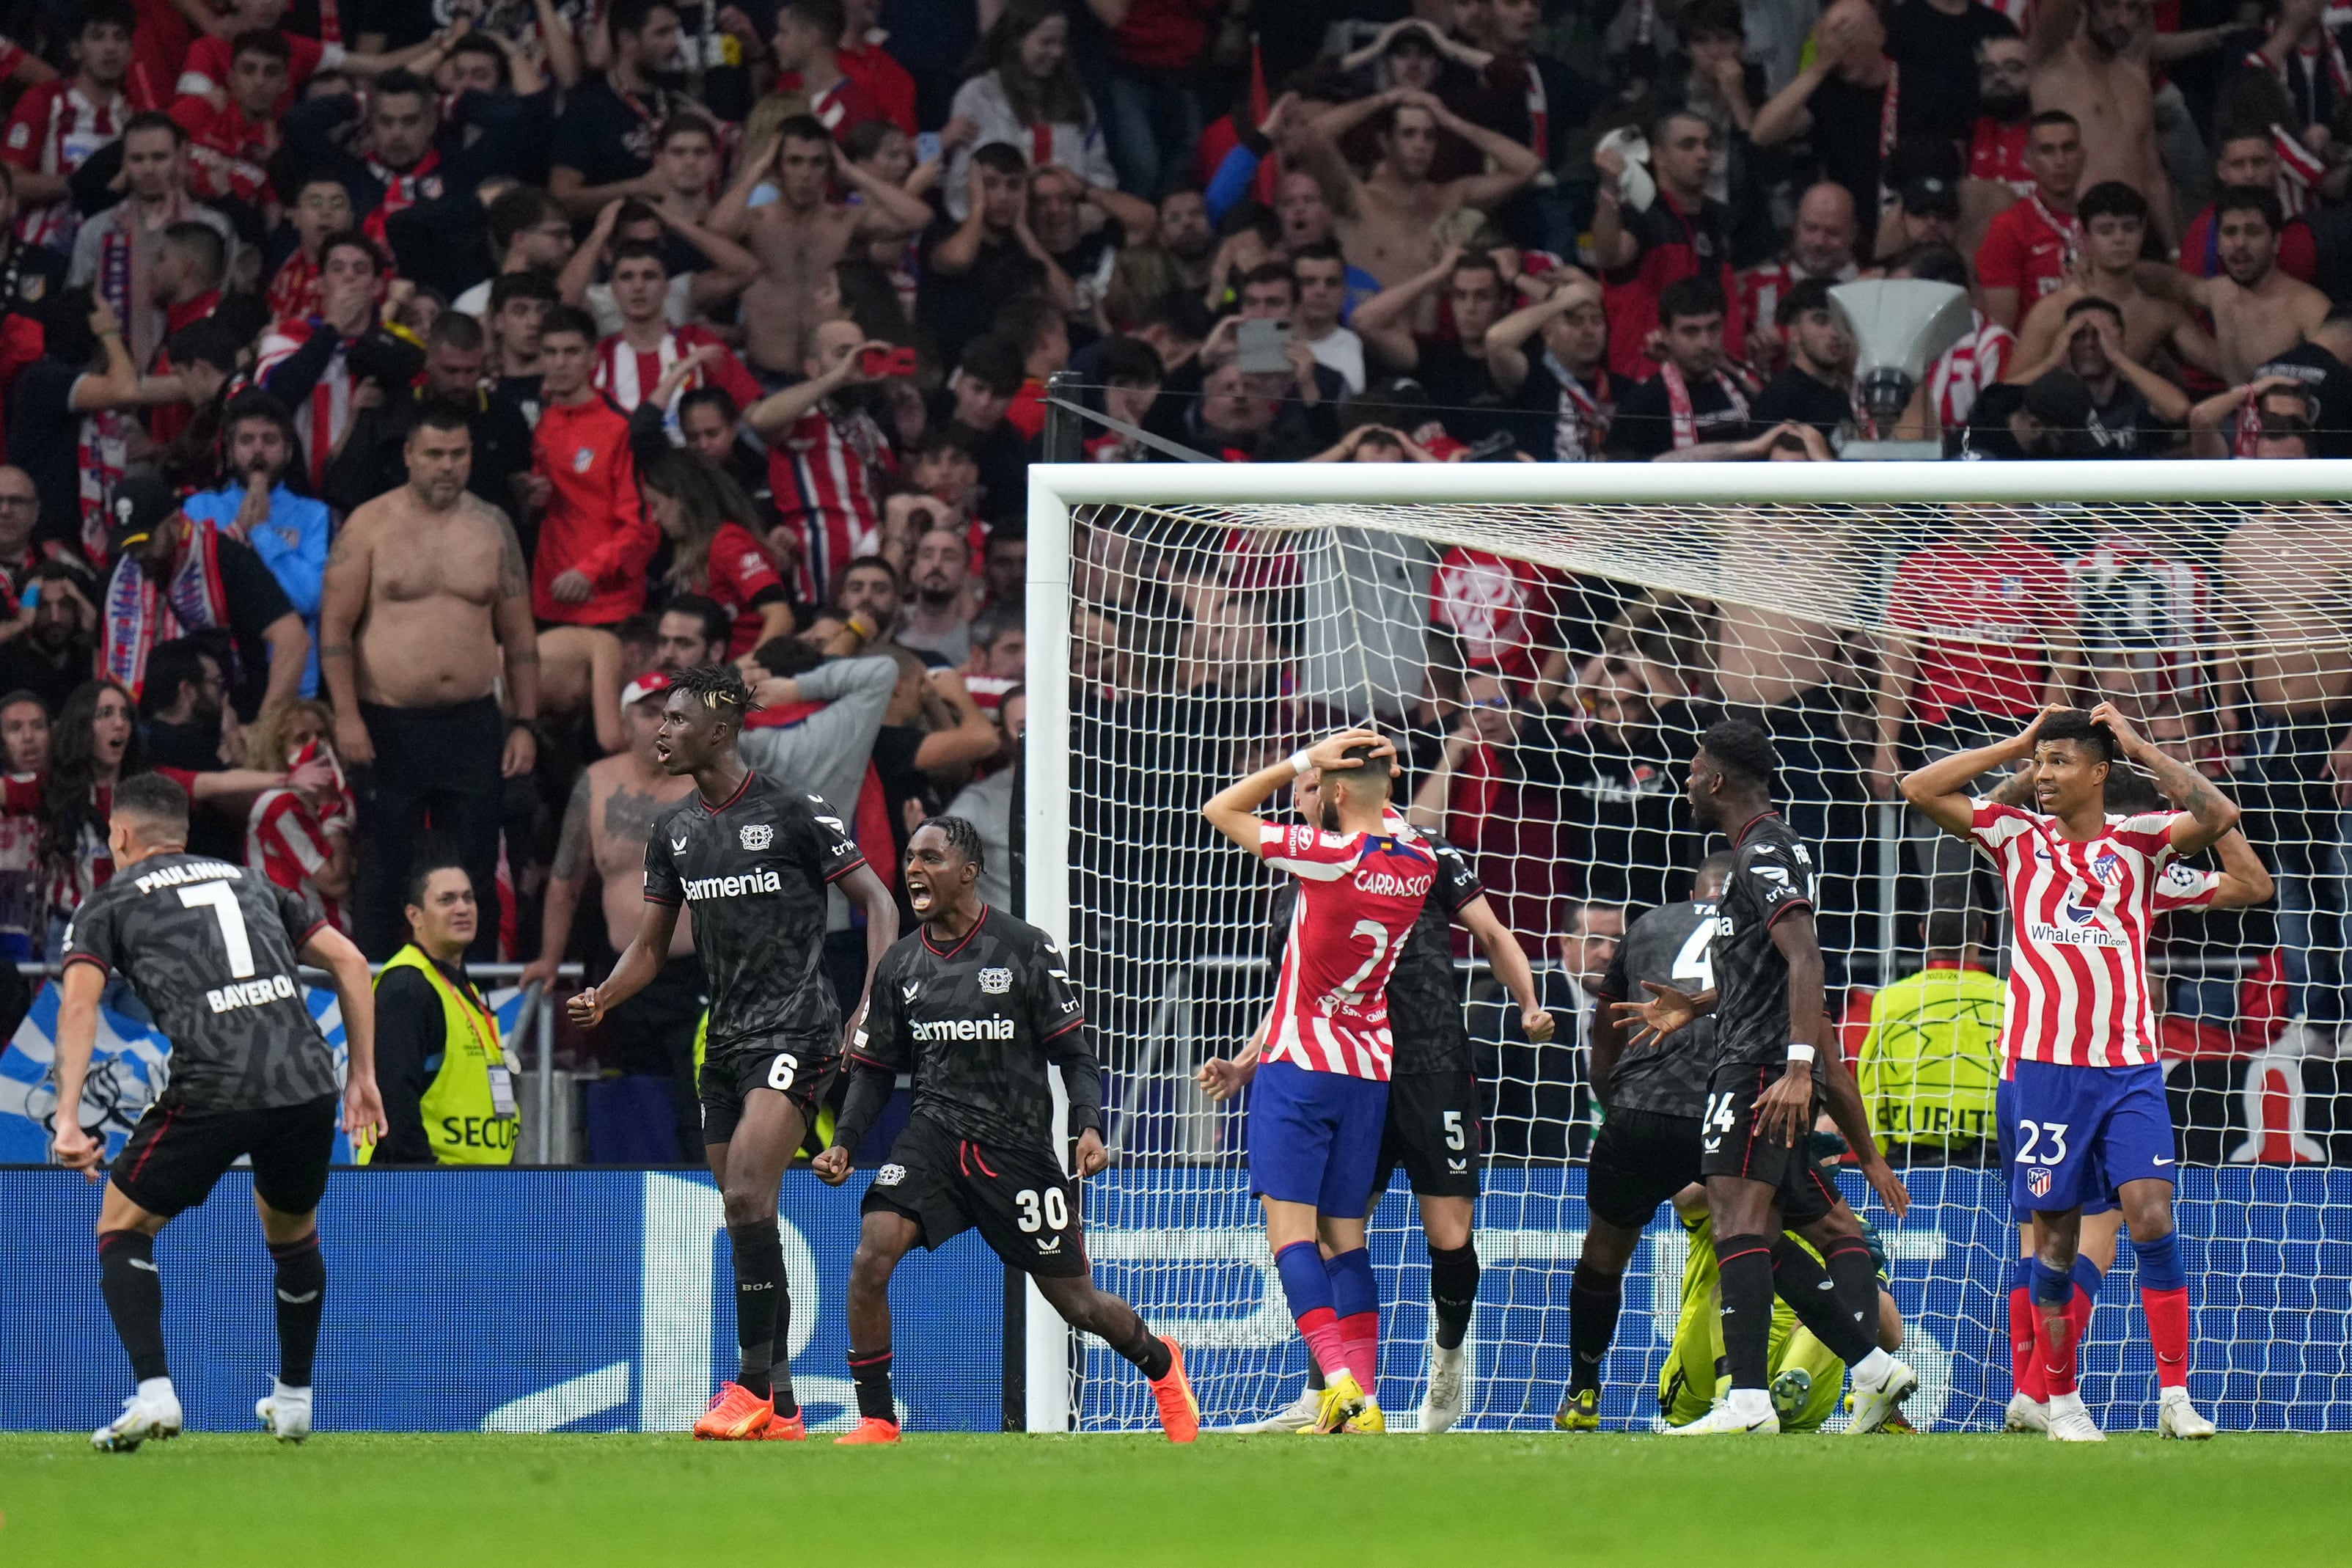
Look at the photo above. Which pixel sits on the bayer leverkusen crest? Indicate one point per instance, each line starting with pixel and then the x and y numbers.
pixel 757 835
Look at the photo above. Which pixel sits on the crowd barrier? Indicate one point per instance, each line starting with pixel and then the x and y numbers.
pixel 600 1300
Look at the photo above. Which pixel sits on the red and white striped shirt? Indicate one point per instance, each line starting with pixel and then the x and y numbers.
pixel 54 130
pixel 1968 367
pixel 1359 896
pixel 2078 985
pixel 823 475
pixel 286 842
pixel 628 375
pixel 1763 287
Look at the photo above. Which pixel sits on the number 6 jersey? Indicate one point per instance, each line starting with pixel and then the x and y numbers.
pixel 210 948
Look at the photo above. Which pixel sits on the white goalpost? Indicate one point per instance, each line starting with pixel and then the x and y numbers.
pixel 1545 641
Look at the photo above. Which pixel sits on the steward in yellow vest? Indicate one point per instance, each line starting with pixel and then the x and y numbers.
pixel 1931 1061
pixel 448 1085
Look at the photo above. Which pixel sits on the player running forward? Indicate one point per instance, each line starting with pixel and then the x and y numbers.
pixel 1769 1068
pixel 1434 1109
pixel 754 856
pixel 2241 883
pixel 2079 1038
pixel 1647 1147
pixel 1321 1098
pixel 211 949
pixel 975 1005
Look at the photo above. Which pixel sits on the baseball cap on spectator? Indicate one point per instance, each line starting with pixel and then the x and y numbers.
pixel 142 502
pixel 2059 399
pixel 1928 194
pixel 652 683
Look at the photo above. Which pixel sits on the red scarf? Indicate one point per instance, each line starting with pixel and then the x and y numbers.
pixel 295 291
pixel 400 192
pixel 1679 404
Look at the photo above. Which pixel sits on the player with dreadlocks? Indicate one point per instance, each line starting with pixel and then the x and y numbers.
pixel 754 856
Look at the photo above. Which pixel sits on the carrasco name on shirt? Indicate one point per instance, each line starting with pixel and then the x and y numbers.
pixel 1387 885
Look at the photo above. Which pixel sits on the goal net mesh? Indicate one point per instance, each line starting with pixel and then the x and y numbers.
pixel 1546 670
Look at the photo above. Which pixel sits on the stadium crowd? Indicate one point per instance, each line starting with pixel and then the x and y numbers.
pixel 741 317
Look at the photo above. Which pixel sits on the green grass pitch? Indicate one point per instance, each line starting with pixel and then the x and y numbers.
pixel 1478 1500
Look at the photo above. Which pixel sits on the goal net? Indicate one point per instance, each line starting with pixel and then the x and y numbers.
pixel 1545 644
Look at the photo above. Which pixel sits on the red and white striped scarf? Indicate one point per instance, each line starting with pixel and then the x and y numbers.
pixel 139 615
pixel 295 291
pixel 1684 420
pixel 402 190
pixel 320 418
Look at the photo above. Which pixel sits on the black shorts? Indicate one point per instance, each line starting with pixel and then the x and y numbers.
pixel 1730 1144
pixel 1434 1131
pixel 1639 1159
pixel 1018 1199
pixel 802 1072
pixel 177 1153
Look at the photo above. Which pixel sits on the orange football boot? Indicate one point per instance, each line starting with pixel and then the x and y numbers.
pixel 735 1414
pixel 786 1429
pixel 1180 1413
pixel 869 1429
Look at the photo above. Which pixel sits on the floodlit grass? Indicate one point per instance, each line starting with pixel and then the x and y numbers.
pixel 451 1499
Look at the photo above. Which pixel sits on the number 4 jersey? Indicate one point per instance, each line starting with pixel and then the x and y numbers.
pixel 210 948
pixel 1359 896
pixel 1670 945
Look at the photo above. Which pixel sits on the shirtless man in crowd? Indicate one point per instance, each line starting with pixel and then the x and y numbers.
pixel 2114 225
pixel 605 828
pixel 2085 70
pixel 1389 221
pixel 801 235
pixel 2259 312
pixel 413 644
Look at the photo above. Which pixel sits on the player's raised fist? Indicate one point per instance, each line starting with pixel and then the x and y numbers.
pixel 1093 1158
pixel 832 1167
pixel 1537 1024
pixel 587 1009
pixel 1220 1079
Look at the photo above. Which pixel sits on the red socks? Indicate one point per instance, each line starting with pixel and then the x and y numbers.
pixel 1320 1329
pixel 2024 1345
pixel 1362 1336
pixel 2168 1331
pixel 2060 1334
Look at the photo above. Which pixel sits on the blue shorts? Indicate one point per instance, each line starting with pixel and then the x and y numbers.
pixel 2073 1136
pixel 1315 1138
pixel 2004 1101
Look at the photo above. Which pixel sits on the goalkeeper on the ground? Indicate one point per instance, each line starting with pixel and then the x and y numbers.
pixel 1808 1382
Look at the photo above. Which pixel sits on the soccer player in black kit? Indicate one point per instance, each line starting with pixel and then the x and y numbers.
pixel 1648 1146
pixel 975 1005
pixel 754 856
pixel 1771 1038
pixel 211 949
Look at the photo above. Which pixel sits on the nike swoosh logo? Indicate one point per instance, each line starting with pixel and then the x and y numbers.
pixel 303 1300
pixel 142 1263
pixel 2163 1162
pixel 1826 1285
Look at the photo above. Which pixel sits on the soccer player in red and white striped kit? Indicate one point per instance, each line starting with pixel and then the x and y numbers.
pixel 2079 1040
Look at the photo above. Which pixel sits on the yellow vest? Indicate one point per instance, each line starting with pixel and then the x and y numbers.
pixel 461 1122
pixel 1931 1061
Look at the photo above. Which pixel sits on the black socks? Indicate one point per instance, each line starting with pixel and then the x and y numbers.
pixel 1594 1299
pixel 762 1313
pixel 872 1375
pixel 1453 1292
pixel 134 1298
pixel 1745 1264
pixel 1806 1286
pixel 1857 1294
pixel 301 1300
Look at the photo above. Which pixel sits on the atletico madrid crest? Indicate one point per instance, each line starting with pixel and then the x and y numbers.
pixel 2037 1182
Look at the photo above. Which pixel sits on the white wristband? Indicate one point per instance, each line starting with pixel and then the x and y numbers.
pixel 1299 763
pixel 1800 1052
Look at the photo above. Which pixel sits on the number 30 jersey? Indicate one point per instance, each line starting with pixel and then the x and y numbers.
pixel 210 948
pixel 1359 897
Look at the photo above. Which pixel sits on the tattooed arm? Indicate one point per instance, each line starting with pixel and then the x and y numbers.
pixel 517 636
pixel 566 880
pixel 2206 813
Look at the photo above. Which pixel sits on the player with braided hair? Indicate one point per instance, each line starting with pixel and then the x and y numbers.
pixel 755 857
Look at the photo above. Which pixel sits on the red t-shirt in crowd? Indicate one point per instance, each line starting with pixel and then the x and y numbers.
pixel 596 521
pixel 208 66
pixel 1978 624
pixel 1164 35
pixel 869 65
pixel 228 154
pixel 1997 152
pixel 741 579
pixel 2029 248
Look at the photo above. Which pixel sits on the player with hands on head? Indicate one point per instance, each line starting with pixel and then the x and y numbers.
pixel 1320 1108
pixel 755 857
pixel 1774 1060
pixel 2079 1038
pixel 212 949
pixel 975 1006
pixel 1434 1111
